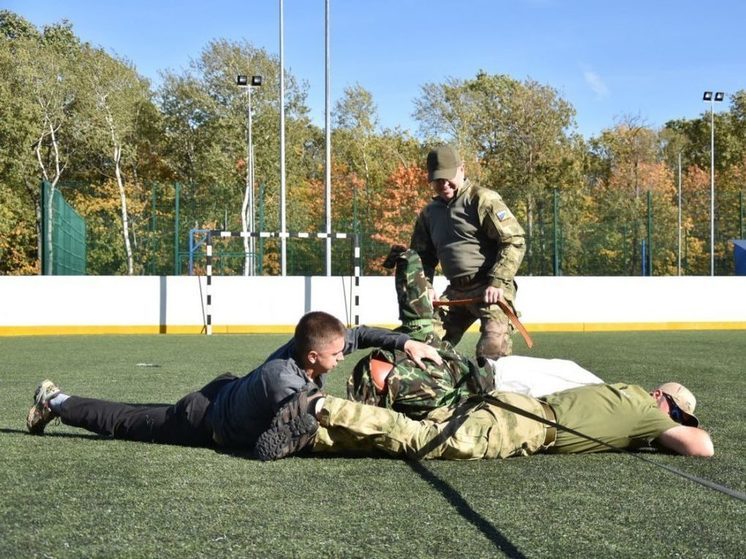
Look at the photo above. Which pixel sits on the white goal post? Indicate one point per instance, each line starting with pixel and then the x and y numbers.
pixel 353 317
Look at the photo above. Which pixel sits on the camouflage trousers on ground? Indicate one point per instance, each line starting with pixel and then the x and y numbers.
pixel 470 431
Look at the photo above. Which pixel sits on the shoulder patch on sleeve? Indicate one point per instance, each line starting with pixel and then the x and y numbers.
pixel 502 214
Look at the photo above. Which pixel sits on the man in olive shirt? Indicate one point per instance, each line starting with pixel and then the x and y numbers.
pixel 479 245
pixel 620 415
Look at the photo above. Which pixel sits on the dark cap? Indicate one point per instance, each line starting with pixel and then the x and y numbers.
pixel 442 163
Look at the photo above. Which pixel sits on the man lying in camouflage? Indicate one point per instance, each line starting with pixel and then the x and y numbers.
pixel 460 416
pixel 593 418
pixel 388 379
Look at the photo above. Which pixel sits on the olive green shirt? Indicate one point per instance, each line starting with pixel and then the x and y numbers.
pixel 622 415
pixel 474 234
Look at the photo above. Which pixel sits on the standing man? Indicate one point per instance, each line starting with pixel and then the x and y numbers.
pixel 479 244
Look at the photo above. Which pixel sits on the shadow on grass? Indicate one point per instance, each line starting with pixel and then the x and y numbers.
pixel 24 432
pixel 466 511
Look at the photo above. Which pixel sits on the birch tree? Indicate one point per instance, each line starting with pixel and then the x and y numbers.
pixel 118 96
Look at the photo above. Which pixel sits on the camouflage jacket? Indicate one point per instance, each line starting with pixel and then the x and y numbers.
pixel 475 234
pixel 414 391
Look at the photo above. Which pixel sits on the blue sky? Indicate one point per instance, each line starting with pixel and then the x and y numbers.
pixel 613 59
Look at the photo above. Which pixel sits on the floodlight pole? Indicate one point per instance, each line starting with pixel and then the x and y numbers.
pixel 679 227
pixel 250 185
pixel 708 96
pixel 283 224
pixel 244 82
pixel 328 150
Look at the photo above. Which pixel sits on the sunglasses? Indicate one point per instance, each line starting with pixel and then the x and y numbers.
pixel 674 411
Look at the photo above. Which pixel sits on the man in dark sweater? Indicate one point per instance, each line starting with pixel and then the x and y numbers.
pixel 230 411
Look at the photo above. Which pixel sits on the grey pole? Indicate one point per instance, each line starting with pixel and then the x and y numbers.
pixel 712 98
pixel 283 225
pixel 679 245
pixel 712 187
pixel 327 133
pixel 250 187
pixel 248 209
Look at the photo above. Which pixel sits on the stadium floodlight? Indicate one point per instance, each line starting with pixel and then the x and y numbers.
pixel 718 97
pixel 244 82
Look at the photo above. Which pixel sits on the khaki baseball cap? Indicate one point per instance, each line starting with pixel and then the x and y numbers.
pixel 684 399
pixel 442 163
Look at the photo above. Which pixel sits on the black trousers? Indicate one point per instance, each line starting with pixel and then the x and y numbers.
pixel 185 423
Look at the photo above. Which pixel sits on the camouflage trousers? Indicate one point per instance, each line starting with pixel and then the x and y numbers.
pixel 495 327
pixel 416 310
pixel 423 323
pixel 469 431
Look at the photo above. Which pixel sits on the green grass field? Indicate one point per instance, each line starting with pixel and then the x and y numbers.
pixel 73 494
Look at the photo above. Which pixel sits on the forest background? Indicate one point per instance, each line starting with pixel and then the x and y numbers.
pixel 146 166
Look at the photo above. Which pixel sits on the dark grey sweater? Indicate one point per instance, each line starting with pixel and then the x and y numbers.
pixel 244 408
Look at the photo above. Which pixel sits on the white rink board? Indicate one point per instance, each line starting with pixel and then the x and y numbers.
pixel 91 304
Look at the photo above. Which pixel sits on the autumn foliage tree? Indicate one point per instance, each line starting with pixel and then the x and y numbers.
pixel 120 152
pixel 695 196
pixel 397 207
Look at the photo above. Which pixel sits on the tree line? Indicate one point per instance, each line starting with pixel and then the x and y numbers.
pixel 144 165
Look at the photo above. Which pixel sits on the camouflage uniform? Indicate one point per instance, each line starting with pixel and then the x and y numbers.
pixel 415 391
pixel 478 243
pixel 410 389
pixel 470 431
pixel 416 311
pixel 620 415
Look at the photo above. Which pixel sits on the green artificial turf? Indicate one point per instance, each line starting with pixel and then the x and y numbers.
pixel 74 494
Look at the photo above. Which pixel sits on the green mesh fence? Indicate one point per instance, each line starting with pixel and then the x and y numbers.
pixel 646 242
pixel 63 236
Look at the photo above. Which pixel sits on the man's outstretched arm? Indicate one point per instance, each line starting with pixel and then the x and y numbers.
pixel 689 441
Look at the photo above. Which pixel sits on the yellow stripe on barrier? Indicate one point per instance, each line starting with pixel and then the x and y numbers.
pixel 102 329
